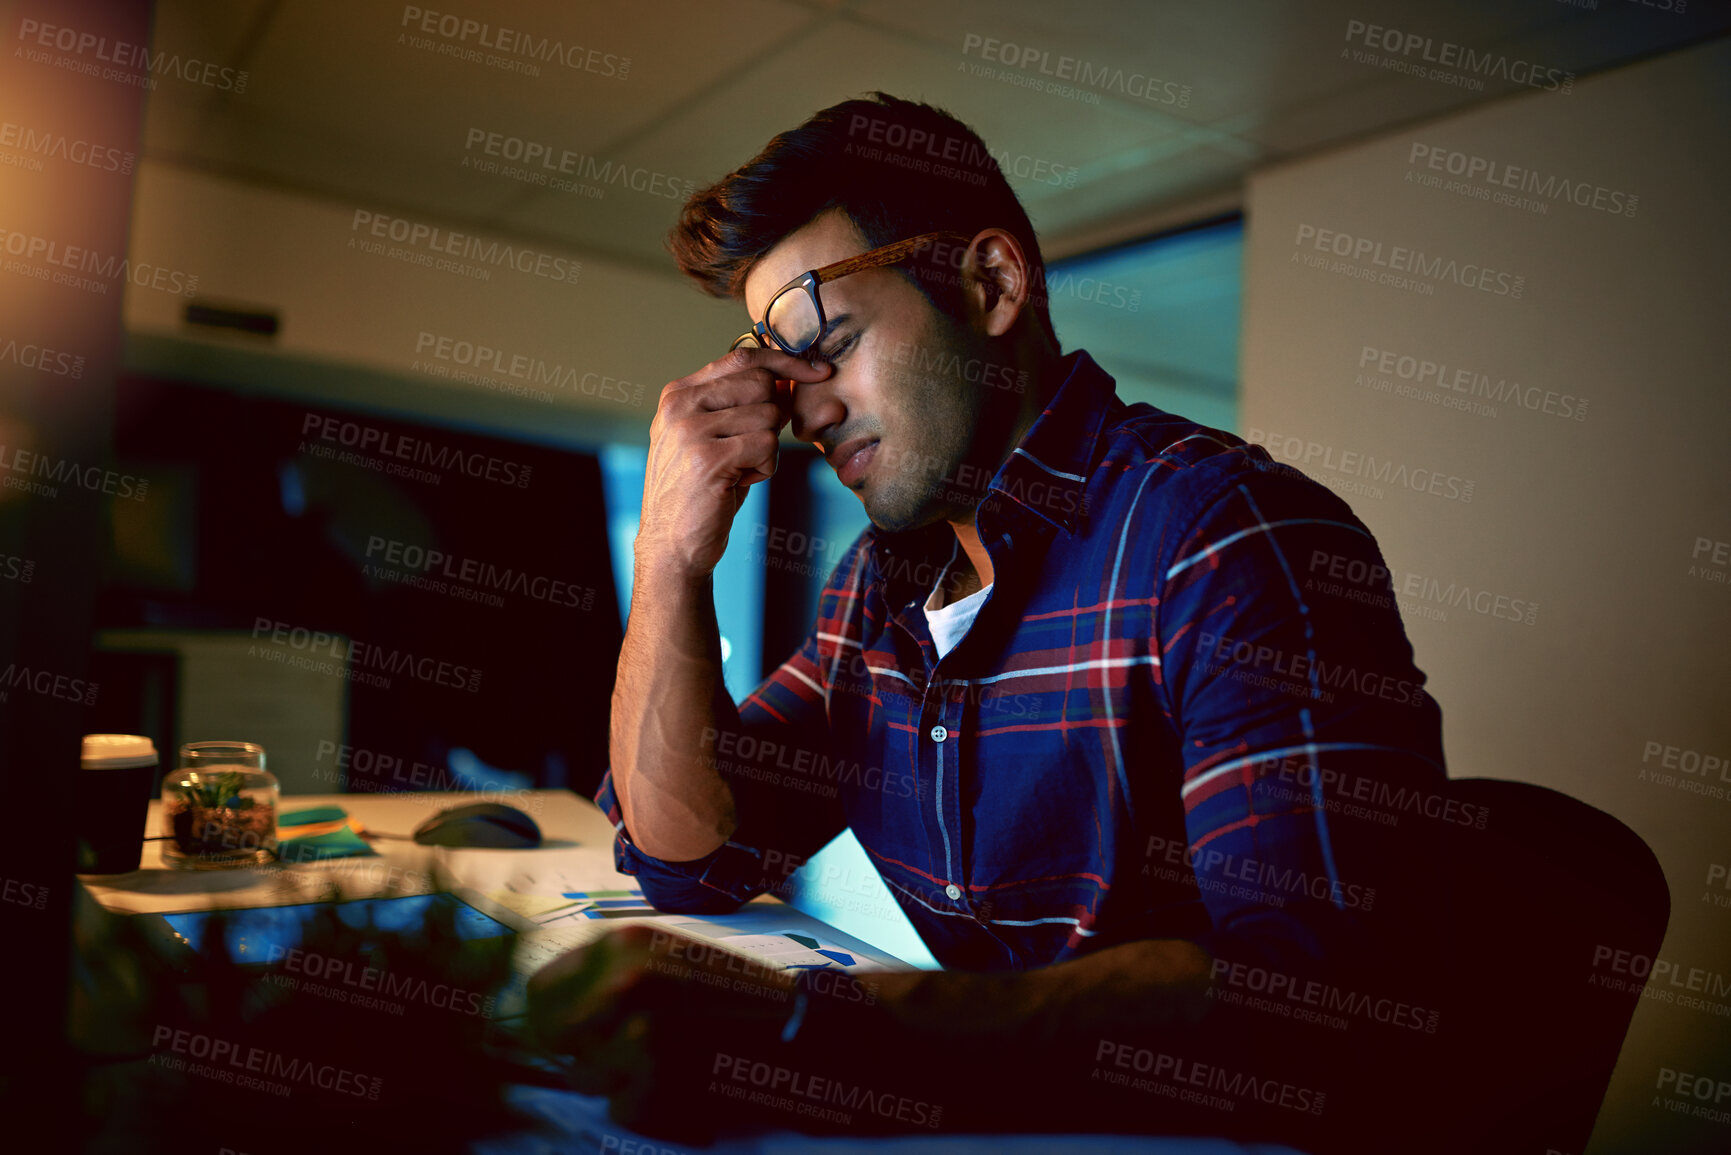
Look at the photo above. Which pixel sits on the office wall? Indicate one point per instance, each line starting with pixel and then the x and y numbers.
pixel 414 315
pixel 1542 454
pixel 289 710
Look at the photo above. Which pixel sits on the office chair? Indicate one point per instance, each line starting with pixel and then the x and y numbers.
pixel 1534 1021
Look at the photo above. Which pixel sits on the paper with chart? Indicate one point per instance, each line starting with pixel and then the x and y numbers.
pixel 546 895
pixel 781 950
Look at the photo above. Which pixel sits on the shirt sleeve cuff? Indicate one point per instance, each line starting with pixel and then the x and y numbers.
pixel 718 882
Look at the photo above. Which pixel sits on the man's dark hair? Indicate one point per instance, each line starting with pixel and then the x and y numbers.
pixel 897 168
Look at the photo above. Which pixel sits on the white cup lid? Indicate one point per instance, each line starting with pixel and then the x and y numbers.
pixel 117 751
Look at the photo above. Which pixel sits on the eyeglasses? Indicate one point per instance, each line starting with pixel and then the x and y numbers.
pixel 795 318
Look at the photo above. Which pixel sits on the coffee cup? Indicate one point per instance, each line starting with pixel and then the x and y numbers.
pixel 117 775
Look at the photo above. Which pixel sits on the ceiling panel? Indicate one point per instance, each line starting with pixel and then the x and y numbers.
pixel 1038 135
pixel 345 102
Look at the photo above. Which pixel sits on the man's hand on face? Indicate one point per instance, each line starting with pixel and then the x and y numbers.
pixel 646 1014
pixel 715 433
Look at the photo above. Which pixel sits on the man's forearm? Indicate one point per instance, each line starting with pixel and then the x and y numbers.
pixel 669 701
pixel 1126 1039
pixel 1136 987
pixel 1000 1050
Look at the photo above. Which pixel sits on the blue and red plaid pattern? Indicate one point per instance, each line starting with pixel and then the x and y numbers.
pixel 1187 709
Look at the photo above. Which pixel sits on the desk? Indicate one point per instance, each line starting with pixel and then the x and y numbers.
pixel 577 843
pixel 577 837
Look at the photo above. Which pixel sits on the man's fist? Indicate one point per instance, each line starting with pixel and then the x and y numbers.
pixel 645 1013
pixel 715 434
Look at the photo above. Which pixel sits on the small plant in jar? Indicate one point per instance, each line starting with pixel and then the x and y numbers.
pixel 219 807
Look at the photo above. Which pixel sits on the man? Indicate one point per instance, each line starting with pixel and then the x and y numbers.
pixel 1091 691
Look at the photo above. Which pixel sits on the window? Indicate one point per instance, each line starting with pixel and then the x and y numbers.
pixel 1161 316
pixel 738 579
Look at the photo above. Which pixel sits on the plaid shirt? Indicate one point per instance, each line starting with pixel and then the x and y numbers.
pixel 1187 709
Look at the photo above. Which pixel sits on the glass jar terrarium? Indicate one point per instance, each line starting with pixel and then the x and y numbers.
pixel 219 807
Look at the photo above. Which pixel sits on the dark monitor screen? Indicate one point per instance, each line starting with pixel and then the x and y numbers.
pixel 469 575
pixel 262 935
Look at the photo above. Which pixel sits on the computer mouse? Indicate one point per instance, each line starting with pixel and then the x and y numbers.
pixel 488 824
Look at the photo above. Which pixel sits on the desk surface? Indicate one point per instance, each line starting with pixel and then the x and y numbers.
pixel 577 845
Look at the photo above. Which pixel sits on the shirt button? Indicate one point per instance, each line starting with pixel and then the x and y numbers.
pixel 938 735
pixel 954 891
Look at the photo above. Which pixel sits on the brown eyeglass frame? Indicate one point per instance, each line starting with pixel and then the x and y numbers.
pixel 881 257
